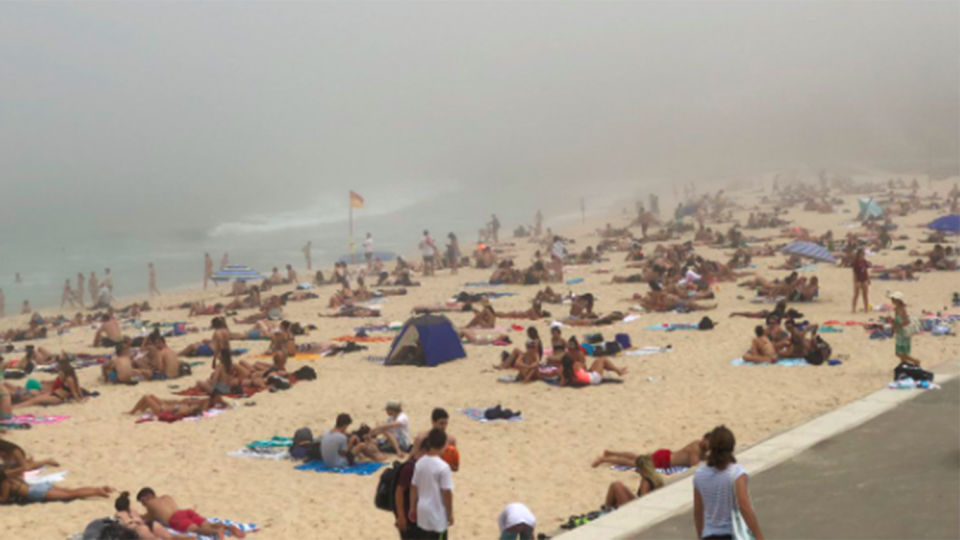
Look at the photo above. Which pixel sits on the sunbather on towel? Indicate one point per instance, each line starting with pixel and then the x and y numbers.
pixel 65 388
pixel 613 317
pixel 176 409
pixel 14 461
pixel 535 312
pixel 573 371
pixel 688 456
pixel 450 307
pixel 483 336
pixel 130 519
pixel 15 491
pixel 165 510
pixel 618 494
pixel 761 350
pixel 354 312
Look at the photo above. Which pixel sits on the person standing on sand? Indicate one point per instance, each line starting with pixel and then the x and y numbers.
pixel 495 228
pixel 368 250
pixel 557 252
pixel 67 295
pixel 207 270
pixel 306 255
pixel 94 287
pixel 431 491
pixel 80 293
pixel 26 309
pixel 225 260
pixel 538 224
pixel 153 281
pixel 719 489
pixel 427 248
pixel 861 280
pixel 901 321
pixel 107 280
pixel 453 253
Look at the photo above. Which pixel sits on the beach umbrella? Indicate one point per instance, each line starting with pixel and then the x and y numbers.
pixel 237 272
pixel 809 249
pixel 870 208
pixel 949 223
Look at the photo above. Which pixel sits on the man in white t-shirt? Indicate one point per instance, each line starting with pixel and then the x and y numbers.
pixel 428 248
pixel 395 431
pixel 517 522
pixel 368 250
pixel 431 491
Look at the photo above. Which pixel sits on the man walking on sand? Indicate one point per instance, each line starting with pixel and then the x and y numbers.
pixel 368 251
pixel 153 281
pixel 306 255
pixel 207 270
pixel 431 491
pixel 861 280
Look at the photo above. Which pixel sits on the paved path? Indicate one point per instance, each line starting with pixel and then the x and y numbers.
pixel 897 476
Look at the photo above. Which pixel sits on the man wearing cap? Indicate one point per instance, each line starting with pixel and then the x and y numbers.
pixel 395 431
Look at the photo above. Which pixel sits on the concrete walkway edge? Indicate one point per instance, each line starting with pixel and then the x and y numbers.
pixel 676 497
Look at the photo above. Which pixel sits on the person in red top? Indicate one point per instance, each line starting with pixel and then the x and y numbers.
pixel 861 280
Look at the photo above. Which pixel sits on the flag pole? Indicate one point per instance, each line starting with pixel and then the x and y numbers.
pixel 350 203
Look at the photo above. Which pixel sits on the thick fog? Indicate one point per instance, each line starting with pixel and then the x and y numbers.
pixel 181 117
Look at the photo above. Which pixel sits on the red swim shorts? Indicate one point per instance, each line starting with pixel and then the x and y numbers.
pixel 661 458
pixel 181 520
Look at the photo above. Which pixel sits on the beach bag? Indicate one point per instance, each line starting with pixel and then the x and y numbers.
pixel 185 370
pixel 593 339
pixel 913 328
pixel 706 324
pixel 738 525
pixel 624 341
pixel 107 529
pixel 305 373
pixel 385 497
pixel 277 382
pixel 819 354
pixel 911 371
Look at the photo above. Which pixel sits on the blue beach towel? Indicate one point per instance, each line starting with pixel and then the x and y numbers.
pixel 361 469
pixel 781 362
pixel 477 414
pixel 481 284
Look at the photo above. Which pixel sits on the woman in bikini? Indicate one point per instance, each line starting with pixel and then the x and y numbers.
pixel 16 491
pixel 65 388
pixel 15 461
pixel 618 494
pixel 573 370
pixel 486 318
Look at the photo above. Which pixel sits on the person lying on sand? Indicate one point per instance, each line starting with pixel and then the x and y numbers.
pixel 355 312
pixel 201 308
pixel 175 409
pixel 582 307
pixel 272 309
pixel 131 520
pixel 573 371
pixel 688 456
pixel 165 510
pixel 66 387
pixel 535 312
pixel 251 301
pixel 15 491
pixel 449 307
pixel 780 310
pixel 761 349
pixel 483 336
pixel 618 494
pixel 278 365
pixel 14 461
pixel 33 331
pixel 613 317
pixel 548 296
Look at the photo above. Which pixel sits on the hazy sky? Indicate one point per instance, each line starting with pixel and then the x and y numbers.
pixel 179 115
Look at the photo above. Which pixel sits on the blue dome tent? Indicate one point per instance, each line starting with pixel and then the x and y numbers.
pixel 429 340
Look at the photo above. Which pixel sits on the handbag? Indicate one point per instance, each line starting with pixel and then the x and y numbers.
pixel 739 528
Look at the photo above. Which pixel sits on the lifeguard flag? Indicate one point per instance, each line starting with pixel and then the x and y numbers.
pixel 356 201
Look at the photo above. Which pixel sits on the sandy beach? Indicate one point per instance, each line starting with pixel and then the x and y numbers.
pixel 666 400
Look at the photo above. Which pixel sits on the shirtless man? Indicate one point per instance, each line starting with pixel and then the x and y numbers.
pixel 439 419
pixel 165 510
pixel 761 350
pixel 291 275
pixel 80 293
pixel 168 366
pixel 109 334
pixel 526 363
pixel 121 370
pixel 153 281
pixel 220 340
pixel 688 456
pixel 207 270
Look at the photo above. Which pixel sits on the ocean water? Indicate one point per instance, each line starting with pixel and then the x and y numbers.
pixel 47 252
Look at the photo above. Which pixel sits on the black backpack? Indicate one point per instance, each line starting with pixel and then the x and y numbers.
pixel 305 373
pixel 107 529
pixel 820 353
pixel 385 498
pixel 185 370
pixel 706 324
pixel 914 372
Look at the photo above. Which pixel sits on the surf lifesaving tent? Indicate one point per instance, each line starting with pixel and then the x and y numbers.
pixel 870 208
pixel 437 337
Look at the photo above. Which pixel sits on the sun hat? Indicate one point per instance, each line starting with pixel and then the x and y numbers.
pixel 394 405
pixel 896 295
